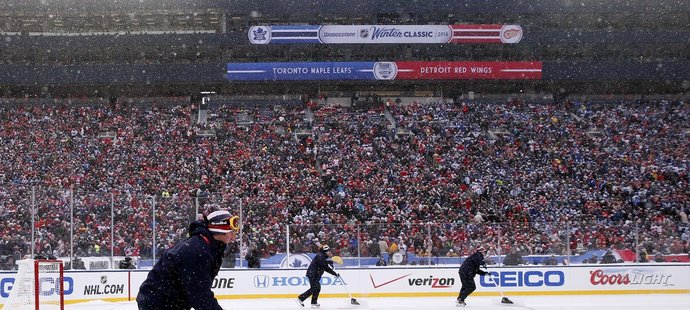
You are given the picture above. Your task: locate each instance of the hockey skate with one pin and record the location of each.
(460, 303)
(299, 302)
(315, 306)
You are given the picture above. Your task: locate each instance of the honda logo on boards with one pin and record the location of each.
(261, 281)
(264, 281)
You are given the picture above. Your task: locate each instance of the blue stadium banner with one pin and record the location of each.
(310, 71)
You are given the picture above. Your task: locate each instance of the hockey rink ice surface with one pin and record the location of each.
(579, 302)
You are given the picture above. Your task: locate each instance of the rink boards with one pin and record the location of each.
(117, 285)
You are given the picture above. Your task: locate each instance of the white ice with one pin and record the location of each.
(573, 302)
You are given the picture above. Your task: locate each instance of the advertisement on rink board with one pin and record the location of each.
(632, 277)
(445, 281)
(381, 282)
(85, 285)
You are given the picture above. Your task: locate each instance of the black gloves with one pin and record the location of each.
(482, 272)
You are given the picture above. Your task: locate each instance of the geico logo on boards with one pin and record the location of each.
(297, 281)
(599, 277)
(524, 278)
(107, 289)
(223, 283)
(47, 286)
(431, 281)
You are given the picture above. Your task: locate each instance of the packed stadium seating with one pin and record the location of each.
(615, 174)
(124, 165)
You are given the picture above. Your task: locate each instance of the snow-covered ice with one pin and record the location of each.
(577, 302)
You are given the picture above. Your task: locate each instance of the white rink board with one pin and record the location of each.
(116, 285)
(562, 302)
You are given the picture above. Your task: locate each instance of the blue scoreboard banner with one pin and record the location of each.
(385, 70)
(310, 71)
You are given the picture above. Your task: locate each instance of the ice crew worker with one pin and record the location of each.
(468, 269)
(318, 265)
(183, 276)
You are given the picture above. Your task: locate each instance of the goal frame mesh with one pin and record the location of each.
(27, 289)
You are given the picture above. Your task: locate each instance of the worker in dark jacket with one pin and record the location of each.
(318, 265)
(468, 269)
(127, 264)
(183, 276)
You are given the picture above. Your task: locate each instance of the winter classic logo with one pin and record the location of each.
(511, 33)
(628, 277)
(259, 35)
(385, 70)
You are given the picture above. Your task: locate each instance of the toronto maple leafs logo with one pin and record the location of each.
(297, 264)
(259, 34)
(296, 261)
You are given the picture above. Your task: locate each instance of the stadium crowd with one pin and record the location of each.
(533, 178)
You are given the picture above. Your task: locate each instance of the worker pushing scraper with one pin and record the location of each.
(470, 268)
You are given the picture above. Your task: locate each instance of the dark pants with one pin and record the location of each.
(313, 291)
(468, 285)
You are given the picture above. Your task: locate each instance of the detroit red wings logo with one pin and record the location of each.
(511, 34)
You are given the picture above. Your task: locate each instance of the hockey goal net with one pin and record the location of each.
(38, 285)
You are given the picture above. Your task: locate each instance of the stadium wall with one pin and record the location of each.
(89, 75)
(120, 285)
(270, 7)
